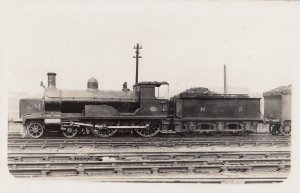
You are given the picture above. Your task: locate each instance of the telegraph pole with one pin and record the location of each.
(137, 56)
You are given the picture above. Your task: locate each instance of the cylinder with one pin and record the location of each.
(51, 80)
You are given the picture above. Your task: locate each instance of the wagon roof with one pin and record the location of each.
(153, 83)
(281, 90)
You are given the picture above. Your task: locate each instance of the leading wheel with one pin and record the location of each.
(285, 129)
(35, 129)
(101, 129)
(70, 132)
(151, 129)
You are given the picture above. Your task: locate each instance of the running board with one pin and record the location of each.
(100, 126)
(126, 127)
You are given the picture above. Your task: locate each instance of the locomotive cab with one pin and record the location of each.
(152, 105)
(148, 99)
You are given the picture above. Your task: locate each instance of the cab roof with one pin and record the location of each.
(152, 83)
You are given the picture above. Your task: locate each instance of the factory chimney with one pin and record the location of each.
(51, 80)
(225, 80)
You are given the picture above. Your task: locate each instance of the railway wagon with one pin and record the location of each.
(100, 112)
(277, 110)
(216, 113)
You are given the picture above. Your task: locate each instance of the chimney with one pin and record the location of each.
(51, 80)
(225, 81)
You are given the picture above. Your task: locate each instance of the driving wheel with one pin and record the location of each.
(151, 129)
(101, 129)
(70, 132)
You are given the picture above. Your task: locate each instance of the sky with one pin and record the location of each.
(185, 43)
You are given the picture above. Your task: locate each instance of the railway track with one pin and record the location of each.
(130, 164)
(65, 143)
(206, 179)
(196, 179)
(115, 163)
(71, 156)
(177, 136)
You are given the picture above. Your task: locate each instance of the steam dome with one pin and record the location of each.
(92, 84)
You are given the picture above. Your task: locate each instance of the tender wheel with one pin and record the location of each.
(274, 129)
(101, 130)
(285, 129)
(35, 129)
(216, 133)
(239, 133)
(70, 132)
(268, 127)
(152, 129)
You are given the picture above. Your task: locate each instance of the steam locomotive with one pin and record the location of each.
(103, 113)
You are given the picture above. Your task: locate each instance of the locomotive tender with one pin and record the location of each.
(103, 113)
(217, 113)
